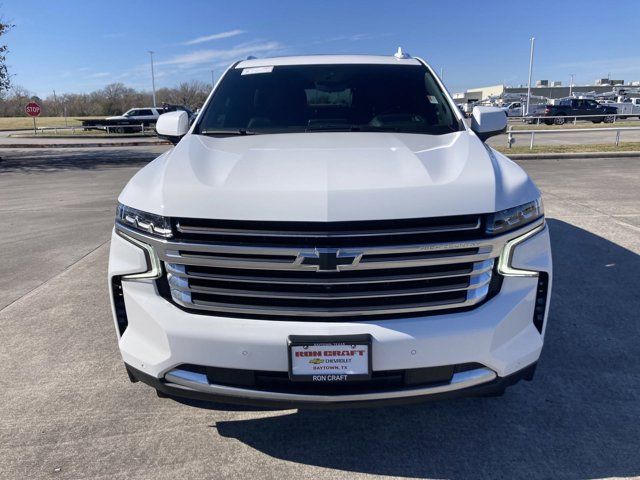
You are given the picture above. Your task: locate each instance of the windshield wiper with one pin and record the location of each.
(351, 128)
(239, 131)
(330, 127)
(374, 128)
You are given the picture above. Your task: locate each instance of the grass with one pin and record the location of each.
(569, 126)
(10, 123)
(596, 147)
(77, 133)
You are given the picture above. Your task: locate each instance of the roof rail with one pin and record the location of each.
(401, 54)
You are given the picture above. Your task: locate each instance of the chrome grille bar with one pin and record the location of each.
(190, 226)
(180, 283)
(178, 270)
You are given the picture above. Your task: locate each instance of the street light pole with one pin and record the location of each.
(213, 80)
(571, 83)
(533, 39)
(153, 79)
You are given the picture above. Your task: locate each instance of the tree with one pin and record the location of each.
(5, 79)
(113, 99)
(192, 94)
(14, 100)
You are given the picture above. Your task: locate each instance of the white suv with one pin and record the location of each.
(329, 231)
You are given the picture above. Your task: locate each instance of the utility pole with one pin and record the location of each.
(571, 83)
(153, 79)
(442, 74)
(55, 101)
(533, 39)
(213, 80)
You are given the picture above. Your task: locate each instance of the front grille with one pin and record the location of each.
(325, 271)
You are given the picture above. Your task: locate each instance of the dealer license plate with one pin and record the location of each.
(330, 359)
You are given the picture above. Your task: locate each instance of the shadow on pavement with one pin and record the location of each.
(58, 159)
(579, 418)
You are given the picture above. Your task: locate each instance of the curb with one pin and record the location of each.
(83, 145)
(560, 156)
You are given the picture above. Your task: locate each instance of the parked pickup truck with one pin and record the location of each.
(133, 119)
(514, 109)
(630, 107)
(330, 231)
(569, 108)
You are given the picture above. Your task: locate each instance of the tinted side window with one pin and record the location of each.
(145, 112)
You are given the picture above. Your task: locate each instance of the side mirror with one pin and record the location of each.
(488, 121)
(173, 125)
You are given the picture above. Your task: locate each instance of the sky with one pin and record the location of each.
(80, 46)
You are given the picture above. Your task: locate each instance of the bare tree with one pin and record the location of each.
(5, 79)
(14, 100)
(113, 99)
(191, 94)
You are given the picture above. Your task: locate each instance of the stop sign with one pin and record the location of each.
(32, 109)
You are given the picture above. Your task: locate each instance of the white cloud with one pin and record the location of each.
(100, 75)
(215, 36)
(602, 67)
(351, 38)
(219, 55)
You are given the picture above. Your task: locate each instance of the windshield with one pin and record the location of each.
(304, 98)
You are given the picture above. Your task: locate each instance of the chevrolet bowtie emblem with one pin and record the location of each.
(327, 259)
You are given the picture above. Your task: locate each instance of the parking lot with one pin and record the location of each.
(69, 411)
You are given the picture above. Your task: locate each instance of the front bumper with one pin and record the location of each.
(483, 382)
(499, 335)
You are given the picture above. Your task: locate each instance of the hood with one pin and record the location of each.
(333, 176)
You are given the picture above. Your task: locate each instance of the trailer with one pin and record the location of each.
(134, 120)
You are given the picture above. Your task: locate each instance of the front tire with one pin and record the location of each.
(559, 120)
(609, 119)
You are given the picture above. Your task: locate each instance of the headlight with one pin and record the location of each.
(143, 221)
(516, 217)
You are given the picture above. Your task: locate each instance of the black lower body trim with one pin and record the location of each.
(492, 388)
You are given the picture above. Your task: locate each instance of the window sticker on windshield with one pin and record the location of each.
(432, 99)
(252, 70)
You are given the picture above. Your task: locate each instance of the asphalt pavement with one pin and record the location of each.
(68, 411)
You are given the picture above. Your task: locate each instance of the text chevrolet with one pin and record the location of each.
(329, 231)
